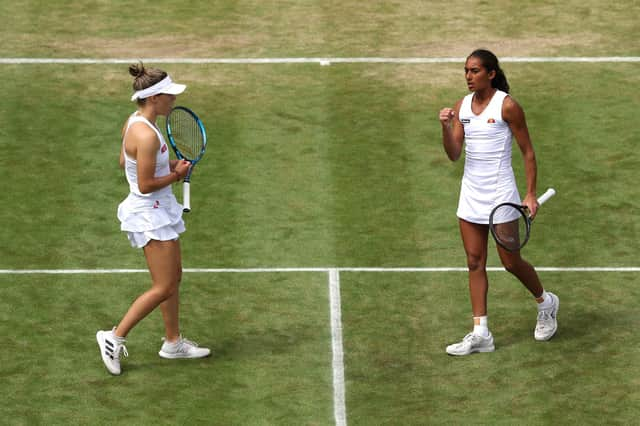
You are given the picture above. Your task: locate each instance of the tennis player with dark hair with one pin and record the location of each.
(152, 217)
(484, 124)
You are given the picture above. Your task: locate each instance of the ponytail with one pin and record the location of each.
(490, 63)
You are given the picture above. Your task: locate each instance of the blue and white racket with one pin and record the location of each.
(189, 140)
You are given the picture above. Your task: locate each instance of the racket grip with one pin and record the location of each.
(548, 194)
(186, 197)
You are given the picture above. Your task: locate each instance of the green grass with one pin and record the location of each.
(243, 28)
(315, 166)
(397, 372)
(269, 334)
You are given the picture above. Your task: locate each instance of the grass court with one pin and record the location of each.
(318, 170)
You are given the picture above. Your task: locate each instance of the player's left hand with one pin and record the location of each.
(532, 205)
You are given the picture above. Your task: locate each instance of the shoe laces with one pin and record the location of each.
(122, 349)
(470, 338)
(183, 345)
(545, 314)
(119, 346)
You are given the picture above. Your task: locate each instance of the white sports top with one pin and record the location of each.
(488, 176)
(162, 161)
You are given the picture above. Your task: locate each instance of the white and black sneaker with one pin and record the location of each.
(547, 323)
(182, 349)
(110, 349)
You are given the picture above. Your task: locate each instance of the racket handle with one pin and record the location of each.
(186, 197)
(548, 194)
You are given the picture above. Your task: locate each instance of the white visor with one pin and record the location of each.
(165, 86)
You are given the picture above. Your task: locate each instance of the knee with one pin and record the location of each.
(475, 262)
(165, 290)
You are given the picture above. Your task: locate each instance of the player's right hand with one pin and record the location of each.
(446, 116)
(182, 168)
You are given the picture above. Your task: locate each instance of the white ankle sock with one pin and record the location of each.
(547, 301)
(480, 326)
(117, 338)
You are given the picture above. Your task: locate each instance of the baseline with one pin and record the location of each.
(320, 269)
(314, 60)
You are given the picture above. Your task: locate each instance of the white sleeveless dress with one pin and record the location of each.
(156, 215)
(488, 176)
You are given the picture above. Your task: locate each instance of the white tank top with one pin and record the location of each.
(162, 161)
(488, 141)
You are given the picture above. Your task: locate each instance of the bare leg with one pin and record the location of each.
(163, 259)
(171, 308)
(522, 270)
(475, 238)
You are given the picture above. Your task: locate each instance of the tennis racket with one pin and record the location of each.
(510, 224)
(189, 140)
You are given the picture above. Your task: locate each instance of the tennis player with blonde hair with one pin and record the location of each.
(152, 218)
(484, 123)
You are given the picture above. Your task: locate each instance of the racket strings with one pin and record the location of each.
(510, 227)
(186, 134)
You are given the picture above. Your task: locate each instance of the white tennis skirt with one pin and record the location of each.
(146, 218)
(476, 202)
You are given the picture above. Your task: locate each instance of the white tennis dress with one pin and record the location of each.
(156, 215)
(488, 176)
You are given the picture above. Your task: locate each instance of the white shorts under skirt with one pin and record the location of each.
(166, 233)
(146, 219)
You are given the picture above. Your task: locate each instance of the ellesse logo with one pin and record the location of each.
(491, 121)
(164, 148)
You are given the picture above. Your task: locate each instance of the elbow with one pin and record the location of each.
(453, 157)
(145, 189)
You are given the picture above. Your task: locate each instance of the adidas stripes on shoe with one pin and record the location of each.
(111, 347)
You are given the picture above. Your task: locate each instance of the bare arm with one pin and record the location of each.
(142, 143)
(452, 131)
(124, 128)
(513, 114)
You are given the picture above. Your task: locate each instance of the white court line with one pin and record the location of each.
(314, 60)
(339, 404)
(319, 269)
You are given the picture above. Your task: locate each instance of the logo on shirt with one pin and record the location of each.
(465, 120)
(156, 204)
(164, 148)
(491, 121)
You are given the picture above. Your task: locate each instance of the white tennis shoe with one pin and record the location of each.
(110, 349)
(181, 349)
(472, 343)
(547, 323)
